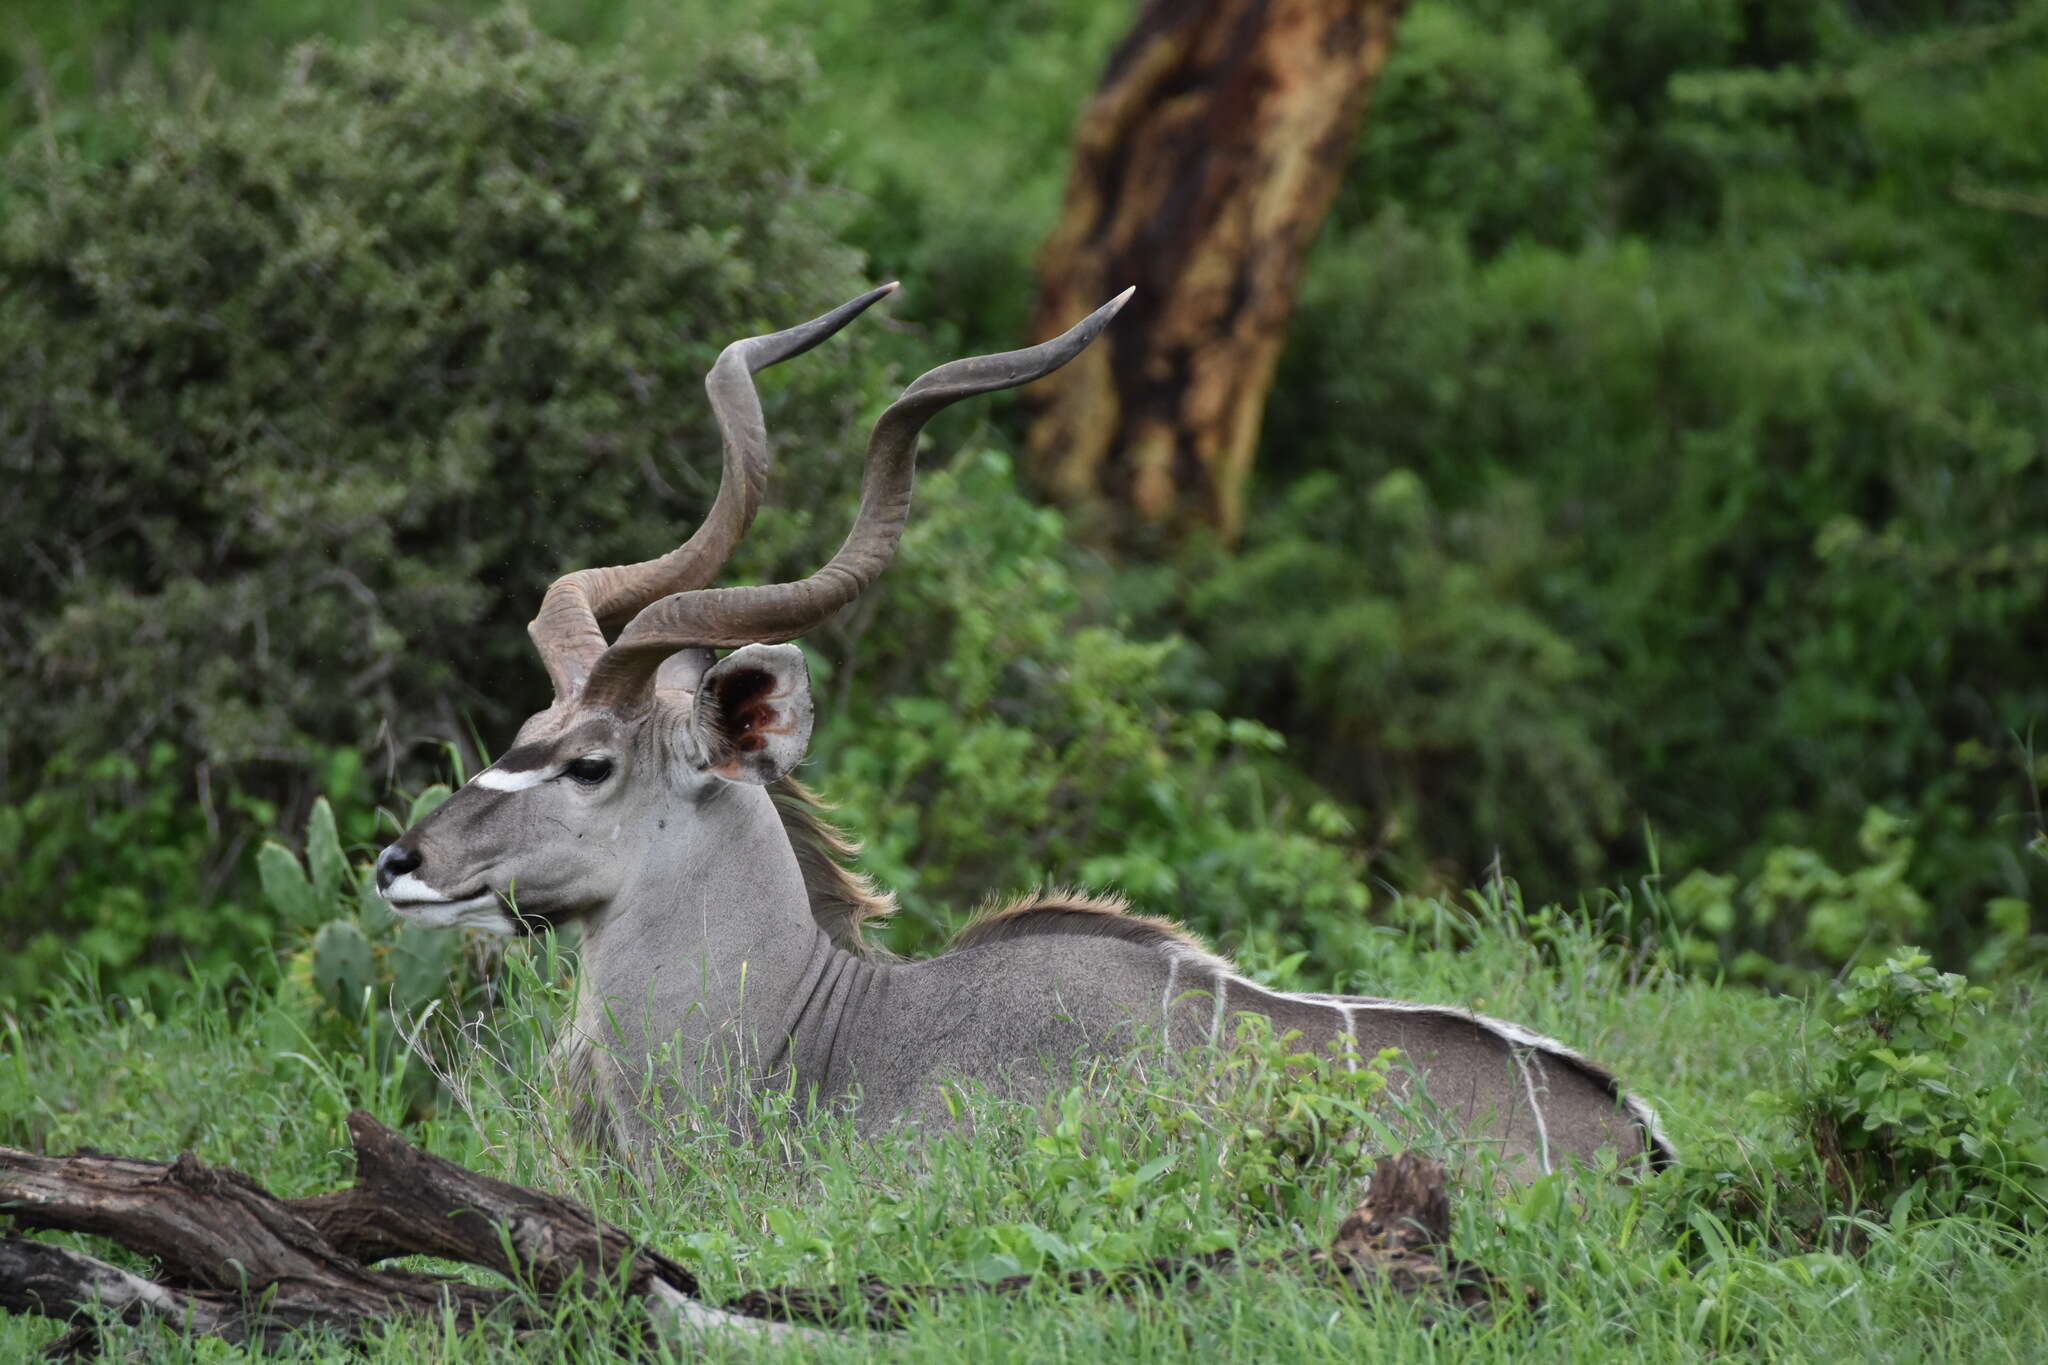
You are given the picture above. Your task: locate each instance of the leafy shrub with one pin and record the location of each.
(119, 863)
(1894, 1115)
(1629, 52)
(1288, 1122)
(995, 729)
(318, 388)
(1479, 130)
(1726, 530)
(1401, 637)
(1262, 1131)
(362, 980)
(1799, 909)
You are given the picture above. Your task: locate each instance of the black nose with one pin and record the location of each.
(394, 862)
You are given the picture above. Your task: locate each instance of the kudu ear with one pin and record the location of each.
(752, 715)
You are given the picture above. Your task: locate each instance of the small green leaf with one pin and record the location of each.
(285, 886)
(342, 966)
(422, 960)
(423, 805)
(323, 853)
(373, 912)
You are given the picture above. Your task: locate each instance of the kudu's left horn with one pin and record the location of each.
(580, 607)
(770, 613)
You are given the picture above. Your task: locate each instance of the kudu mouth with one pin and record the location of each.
(412, 899)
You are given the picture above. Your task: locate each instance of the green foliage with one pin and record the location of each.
(1895, 1115)
(349, 351)
(1798, 908)
(1482, 131)
(1395, 632)
(319, 379)
(1666, 1269)
(999, 730)
(1659, 450)
(118, 861)
(1713, 514)
(1283, 1119)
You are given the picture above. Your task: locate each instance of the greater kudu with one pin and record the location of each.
(652, 802)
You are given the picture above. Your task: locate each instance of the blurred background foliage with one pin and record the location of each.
(1657, 480)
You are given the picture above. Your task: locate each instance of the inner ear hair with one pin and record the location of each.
(740, 712)
(742, 717)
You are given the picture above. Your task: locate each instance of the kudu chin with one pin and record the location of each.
(652, 803)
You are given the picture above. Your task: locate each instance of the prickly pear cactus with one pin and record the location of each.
(344, 968)
(367, 979)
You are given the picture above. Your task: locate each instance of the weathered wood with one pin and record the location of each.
(239, 1263)
(1202, 168)
(217, 1230)
(1400, 1237)
(222, 1240)
(57, 1282)
(407, 1202)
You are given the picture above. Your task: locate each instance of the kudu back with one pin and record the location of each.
(652, 804)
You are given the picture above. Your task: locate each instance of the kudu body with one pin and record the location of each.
(721, 949)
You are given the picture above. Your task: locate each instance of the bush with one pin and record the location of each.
(1725, 530)
(995, 729)
(360, 980)
(1479, 130)
(358, 367)
(1894, 1115)
(112, 862)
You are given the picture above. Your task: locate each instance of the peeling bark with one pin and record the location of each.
(1203, 167)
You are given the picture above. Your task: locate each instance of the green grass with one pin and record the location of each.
(1652, 1271)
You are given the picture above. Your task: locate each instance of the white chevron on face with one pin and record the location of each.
(498, 780)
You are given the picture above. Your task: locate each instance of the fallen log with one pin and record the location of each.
(234, 1261)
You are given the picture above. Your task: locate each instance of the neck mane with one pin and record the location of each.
(845, 901)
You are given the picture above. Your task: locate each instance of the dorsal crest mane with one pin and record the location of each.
(1059, 911)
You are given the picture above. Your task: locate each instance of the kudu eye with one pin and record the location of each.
(589, 771)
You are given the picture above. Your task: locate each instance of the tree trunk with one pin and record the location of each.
(1202, 169)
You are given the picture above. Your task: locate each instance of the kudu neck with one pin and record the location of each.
(710, 945)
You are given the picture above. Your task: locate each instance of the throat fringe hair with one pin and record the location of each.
(844, 901)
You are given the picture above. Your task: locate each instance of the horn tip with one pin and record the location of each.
(1116, 304)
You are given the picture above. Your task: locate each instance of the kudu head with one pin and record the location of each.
(652, 735)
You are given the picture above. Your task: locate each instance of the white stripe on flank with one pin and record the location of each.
(498, 780)
(1521, 1057)
(1166, 1005)
(1344, 1026)
(1221, 986)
